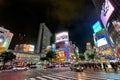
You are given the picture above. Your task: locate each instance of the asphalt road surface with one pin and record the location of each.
(58, 74)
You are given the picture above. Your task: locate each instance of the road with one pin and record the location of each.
(58, 74)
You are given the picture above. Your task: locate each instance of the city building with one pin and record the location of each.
(23, 58)
(110, 18)
(25, 48)
(44, 38)
(74, 52)
(62, 47)
(101, 40)
(89, 50)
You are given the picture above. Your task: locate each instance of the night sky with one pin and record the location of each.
(22, 17)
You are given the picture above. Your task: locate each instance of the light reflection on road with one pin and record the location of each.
(18, 75)
(80, 75)
(65, 73)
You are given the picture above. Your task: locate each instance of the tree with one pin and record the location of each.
(43, 58)
(50, 55)
(7, 56)
(92, 56)
(82, 57)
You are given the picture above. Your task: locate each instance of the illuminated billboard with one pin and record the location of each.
(63, 36)
(28, 48)
(8, 40)
(101, 42)
(5, 38)
(97, 27)
(107, 10)
(3, 35)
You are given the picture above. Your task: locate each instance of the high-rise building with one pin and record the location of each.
(88, 45)
(110, 19)
(89, 49)
(44, 38)
(62, 47)
(111, 8)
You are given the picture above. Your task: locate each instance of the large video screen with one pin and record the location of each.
(107, 10)
(63, 36)
(102, 42)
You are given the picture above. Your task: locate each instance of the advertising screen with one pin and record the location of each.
(29, 48)
(97, 27)
(107, 10)
(62, 37)
(3, 35)
(8, 40)
(101, 42)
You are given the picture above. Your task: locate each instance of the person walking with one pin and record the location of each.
(105, 66)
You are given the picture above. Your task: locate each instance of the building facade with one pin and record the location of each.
(110, 18)
(44, 38)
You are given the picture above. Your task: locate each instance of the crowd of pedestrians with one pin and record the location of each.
(104, 66)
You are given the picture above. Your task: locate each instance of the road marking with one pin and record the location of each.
(41, 78)
(50, 78)
(32, 79)
(65, 76)
(57, 76)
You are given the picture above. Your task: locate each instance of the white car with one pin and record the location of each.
(20, 68)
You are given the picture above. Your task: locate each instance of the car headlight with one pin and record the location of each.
(82, 68)
(78, 68)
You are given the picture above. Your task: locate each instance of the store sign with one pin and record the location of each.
(62, 37)
(107, 10)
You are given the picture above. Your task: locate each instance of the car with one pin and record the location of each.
(33, 66)
(76, 67)
(50, 66)
(66, 64)
(16, 68)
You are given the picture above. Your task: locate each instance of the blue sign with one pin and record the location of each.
(67, 51)
(97, 27)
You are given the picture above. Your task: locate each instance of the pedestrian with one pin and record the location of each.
(105, 66)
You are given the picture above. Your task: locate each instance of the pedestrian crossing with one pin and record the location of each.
(69, 75)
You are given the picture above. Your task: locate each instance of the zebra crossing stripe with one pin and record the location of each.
(56, 76)
(68, 77)
(91, 76)
(50, 77)
(41, 78)
(32, 79)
